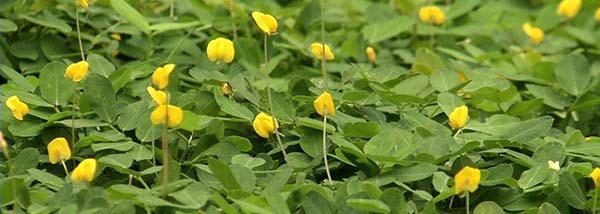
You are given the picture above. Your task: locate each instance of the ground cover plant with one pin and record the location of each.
(307, 106)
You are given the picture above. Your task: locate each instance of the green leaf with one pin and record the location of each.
(171, 26)
(233, 108)
(488, 207)
(26, 159)
(131, 15)
(50, 21)
(570, 190)
(193, 196)
(443, 80)
(361, 129)
(54, 86)
(510, 128)
(25, 128)
(224, 174)
(390, 145)
(119, 160)
(548, 208)
(101, 96)
(573, 74)
(370, 205)
(7, 25)
(380, 31)
(247, 161)
(100, 65)
(448, 102)
(11, 74)
(533, 176)
(46, 178)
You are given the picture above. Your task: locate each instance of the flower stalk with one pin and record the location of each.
(270, 97)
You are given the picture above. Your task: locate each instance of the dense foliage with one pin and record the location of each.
(519, 80)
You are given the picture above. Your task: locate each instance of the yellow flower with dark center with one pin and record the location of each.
(160, 77)
(317, 50)
(220, 49)
(58, 150)
(371, 54)
(226, 89)
(115, 36)
(432, 15)
(535, 34)
(83, 3)
(19, 109)
(264, 125)
(85, 171)
(159, 97)
(597, 15)
(568, 8)
(467, 180)
(77, 71)
(324, 104)
(162, 113)
(596, 177)
(266, 23)
(459, 117)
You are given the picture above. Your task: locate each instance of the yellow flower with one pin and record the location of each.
(462, 77)
(77, 71)
(266, 22)
(317, 50)
(19, 109)
(263, 125)
(536, 35)
(324, 104)
(226, 89)
(597, 15)
(58, 150)
(3, 144)
(220, 49)
(160, 77)
(160, 97)
(115, 36)
(85, 171)
(163, 112)
(596, 177)
(568, 8)
(83, 3)
(554, 165)
(459, 117)
(371, 54)
(467, 180)
(432, 15)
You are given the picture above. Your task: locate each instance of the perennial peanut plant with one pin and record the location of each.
(301, 106)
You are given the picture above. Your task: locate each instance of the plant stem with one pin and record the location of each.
(79, 33)
(325, 150)
(468, 207)
(165, 147)
(325, 77)
(172, 10)
(65, 167)
(270, 97)
(595, 201)
(74, 106)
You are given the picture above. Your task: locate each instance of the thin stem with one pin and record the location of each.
(172, 10)
(325, 150)
(165, 147)
(74, 106)
(595, 201)
(270, 97)
(79, 33)
(457, 132)
(62, 162)
(468, 205)
(325, 77)
(130, 180)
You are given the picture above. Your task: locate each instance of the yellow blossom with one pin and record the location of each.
(19, 109)
(226, 89)
(317, 50)
(554, 165)
(324, 104)
(220, 49)
(432, 15)
(371, 54)
(83, 3)
(459, 117)
(263, 125)
(467, 180)
(58, 150)
(160, 77)
(535, 34)
(85, 171)
(159, 97)
(568, 8)
(597, 15)
(596, 177)
(77, 71)
(160, 115)
(266, 23)
(115, 36)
